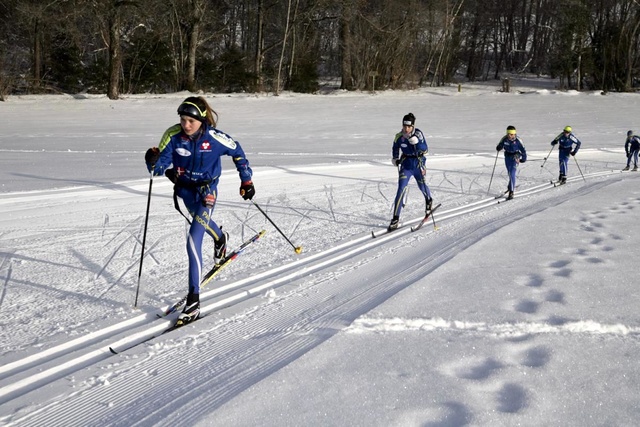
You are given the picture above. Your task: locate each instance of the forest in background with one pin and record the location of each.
(116, 47)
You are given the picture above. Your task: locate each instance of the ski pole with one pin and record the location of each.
(574, 158)
(492, 172)
(545, 159)
(298, 249)
(144, 237)
(433, 218)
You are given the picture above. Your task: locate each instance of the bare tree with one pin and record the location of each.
(39, 17)
(284, 46)
(114, 46)
(346, 44)
(113, 11)
(197, 10)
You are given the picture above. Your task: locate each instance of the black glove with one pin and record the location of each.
(628, 155)
(397, 162)
(152, 155)
(573, 153)
(247, 190)
(171, 174)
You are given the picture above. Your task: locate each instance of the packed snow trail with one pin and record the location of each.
(322, 294)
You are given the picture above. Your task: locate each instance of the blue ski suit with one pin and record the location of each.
(631, 147)
(408, 154)
(196, 172)
(565, 149)
(514, 153)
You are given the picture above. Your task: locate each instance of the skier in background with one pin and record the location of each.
(514, 153)
(194, 147)
(409, 148)
(631, 147)
(566, 140)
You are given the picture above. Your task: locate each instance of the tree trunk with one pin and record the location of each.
(192, 49)
(284, 46)
(115, 59)
(346, 44)
(259, 80)
(37, 53)
(631, 43)
(198, 11)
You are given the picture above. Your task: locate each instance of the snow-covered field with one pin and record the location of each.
(517, 313)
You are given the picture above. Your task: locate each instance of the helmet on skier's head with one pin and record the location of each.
(567, 129)
(630, 133)
(409, 120)
(511, 130)
(194, 108)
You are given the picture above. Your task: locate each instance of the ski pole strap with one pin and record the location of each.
(177, 205)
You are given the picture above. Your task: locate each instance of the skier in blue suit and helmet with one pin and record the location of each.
(194, 147)
(566, 140)
(408, 151)
(631, 147)
(514, 154)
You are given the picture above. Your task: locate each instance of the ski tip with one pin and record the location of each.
(169, 310)
(112, 350)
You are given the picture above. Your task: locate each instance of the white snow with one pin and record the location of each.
(518, 313)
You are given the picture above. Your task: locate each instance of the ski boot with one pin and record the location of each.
(429, 205)
(510, 195)
(626, 168)
(562, 179)
(191, 310)
(395, 221)
(635, 169)
(220, 249)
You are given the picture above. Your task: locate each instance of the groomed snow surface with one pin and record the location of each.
(501, 313)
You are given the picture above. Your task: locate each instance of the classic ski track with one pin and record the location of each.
(41, 368)
(233, 361)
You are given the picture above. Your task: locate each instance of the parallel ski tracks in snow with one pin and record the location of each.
(233, 348)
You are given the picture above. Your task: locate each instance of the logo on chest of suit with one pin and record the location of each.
(183, 152)
(205, 146)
